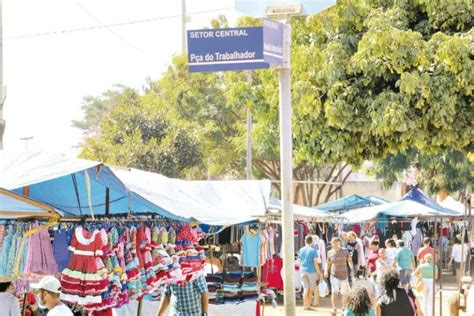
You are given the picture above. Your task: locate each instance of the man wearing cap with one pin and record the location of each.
(48, 291)
(337, 262)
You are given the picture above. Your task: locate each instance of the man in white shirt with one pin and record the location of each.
(48, 291)
(458, 254)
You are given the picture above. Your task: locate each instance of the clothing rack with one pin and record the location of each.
(116, 220)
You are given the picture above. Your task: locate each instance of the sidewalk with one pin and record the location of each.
(449, 288)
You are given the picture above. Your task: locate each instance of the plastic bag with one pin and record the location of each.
(323, 289)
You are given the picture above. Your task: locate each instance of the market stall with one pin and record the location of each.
(144, 238)
(412, 218)
(348, 203)
(19, 222)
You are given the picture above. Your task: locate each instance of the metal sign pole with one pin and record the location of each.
(286, 146)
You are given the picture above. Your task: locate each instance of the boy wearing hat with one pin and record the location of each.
(48, 291)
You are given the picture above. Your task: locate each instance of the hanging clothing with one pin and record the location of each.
(417, 241)
(278, 239)
(40, 257)
(251, 244)
(299, 236)
(61, 241)
(85, 278)
(271, 273)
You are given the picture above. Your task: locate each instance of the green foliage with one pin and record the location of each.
(97, 108)
(136, 134)
(435, 172)
(384, 80)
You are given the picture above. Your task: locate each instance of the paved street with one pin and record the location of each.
(325, 308)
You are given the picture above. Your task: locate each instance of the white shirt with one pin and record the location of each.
(60, 310)
(362, 252)
(391, 253)
(321, 246)
(9, 305)
(456, 252)
(381, 268)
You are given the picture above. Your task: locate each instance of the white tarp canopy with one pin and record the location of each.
(452, 204)
(74, 186)
(404, 208)
(209, 202)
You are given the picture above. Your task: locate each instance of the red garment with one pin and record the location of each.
(371, 259)
(85, 278)
(445, 231)
(356, 229)
(105, 312)
(422, 252)
(257, 312)
(30, 300)
(273, 268)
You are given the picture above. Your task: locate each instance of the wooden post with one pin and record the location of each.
(139, 311)
(23, 308)
(107, 201)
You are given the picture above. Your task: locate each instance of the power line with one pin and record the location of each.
(108, 29)
(98, 27)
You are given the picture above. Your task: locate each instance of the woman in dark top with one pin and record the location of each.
(396, 301)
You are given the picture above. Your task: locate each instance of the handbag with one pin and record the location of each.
(420, 285)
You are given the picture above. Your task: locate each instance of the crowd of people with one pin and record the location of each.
(377, 281)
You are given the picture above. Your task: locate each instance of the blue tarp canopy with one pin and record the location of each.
(375, 200)
(346, 203)
(421, 197)
(411, 205)
(72, 185)
(210, 202)
(14, 206)
(300, 210)
(77, 187)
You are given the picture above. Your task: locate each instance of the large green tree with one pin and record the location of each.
(371, 79)
(136, 133)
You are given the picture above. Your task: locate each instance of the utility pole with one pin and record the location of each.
(26, 139)
(249, 134)
(3, 89)
(286, 160)
(183, 26)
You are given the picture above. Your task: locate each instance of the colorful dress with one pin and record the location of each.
(85, 278)
(40, 259)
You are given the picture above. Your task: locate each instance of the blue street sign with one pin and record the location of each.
(258, 8)
(226, 49)
(273, 42)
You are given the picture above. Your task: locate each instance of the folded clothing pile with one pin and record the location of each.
(249, 286)
(215, 285)
(233, 287)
